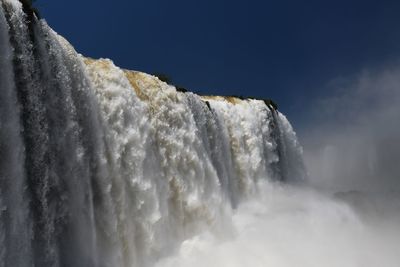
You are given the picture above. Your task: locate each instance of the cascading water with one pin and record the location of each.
(105, 167)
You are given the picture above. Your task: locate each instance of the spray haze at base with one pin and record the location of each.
(291, 226)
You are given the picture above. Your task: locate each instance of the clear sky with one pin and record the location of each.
(289, 51)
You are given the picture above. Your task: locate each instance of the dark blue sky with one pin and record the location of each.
(285, 50)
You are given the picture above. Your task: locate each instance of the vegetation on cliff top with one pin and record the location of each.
(165, 78)
(30, 10)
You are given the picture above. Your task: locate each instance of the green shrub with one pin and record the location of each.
(163, 77)
(271, 103)
(30, 10)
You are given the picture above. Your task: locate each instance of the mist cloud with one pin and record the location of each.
(355, 140)
(296, 227)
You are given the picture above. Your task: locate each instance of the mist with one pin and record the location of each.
(292, 226)
(354, 140)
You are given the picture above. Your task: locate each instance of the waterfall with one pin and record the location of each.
(101, 166)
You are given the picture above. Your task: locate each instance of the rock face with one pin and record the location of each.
(101, 166)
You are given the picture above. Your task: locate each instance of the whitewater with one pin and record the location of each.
(101, 166)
